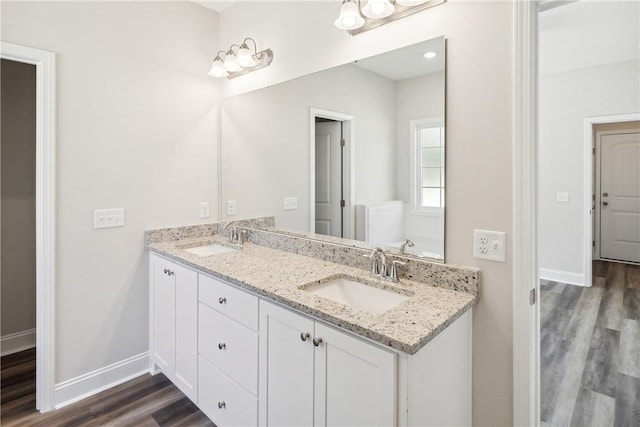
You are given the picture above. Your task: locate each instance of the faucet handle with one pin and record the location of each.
(394, 270)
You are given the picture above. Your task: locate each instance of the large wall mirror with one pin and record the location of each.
(354, 152)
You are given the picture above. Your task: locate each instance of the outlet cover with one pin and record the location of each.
(290, 203)
(108, 218)
(562, 196)
(490, 245)
(231, 207)
(204, 209)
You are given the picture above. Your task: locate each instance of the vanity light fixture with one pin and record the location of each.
(377, 12)
(241, 61)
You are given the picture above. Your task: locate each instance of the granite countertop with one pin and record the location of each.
(279, 276)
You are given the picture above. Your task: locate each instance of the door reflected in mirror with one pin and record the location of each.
(354, 152)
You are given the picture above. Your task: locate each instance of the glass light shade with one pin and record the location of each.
(378, 9)
(350, 17)
(231, 62)
(410, 2)
(217, 68)
(245, 59)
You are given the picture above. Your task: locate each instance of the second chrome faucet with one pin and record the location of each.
(381, 268)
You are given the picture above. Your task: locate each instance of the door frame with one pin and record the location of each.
(526, 323)
(349, 187)
(45, 215)
(590, 144)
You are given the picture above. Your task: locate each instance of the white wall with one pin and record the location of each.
(18, 203)
(263, 163)
(479, 120)
(566, 99)
(136, 127)
(417, 98)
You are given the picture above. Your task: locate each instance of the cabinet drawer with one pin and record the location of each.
(222, 400)
(229, 346)
(232, 302)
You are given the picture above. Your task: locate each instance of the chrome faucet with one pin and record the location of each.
(404, 244)
(381, 268)
(238, 235)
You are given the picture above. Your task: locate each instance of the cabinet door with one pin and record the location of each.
(286, 367)
(186, 330)
(163, 315)
(355, 381)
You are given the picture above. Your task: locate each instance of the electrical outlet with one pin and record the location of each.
(204, 209)
(562, 196)
(108, 218)
(231, 207)
(490, 245)
(290, 203)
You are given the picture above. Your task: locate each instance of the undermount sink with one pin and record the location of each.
(357, 295)
(208, 249)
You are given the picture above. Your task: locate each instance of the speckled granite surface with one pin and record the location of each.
(281, 275)
(201, 230)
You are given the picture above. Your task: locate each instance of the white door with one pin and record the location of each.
(186, 330)
(620, 197)
(355, 381)
(163, 294)
(329, 180)
(286, 368)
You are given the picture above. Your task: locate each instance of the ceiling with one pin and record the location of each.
(588, 33)
(218, 6)
(408, 62)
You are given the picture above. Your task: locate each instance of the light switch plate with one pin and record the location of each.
(490, 245)
(108, 218)
(290, 203)
(204, 209)
(231, 207)
(562, 196)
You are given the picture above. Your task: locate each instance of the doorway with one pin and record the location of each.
(44, 63)
(617, 192)
(18, 225)
(331, 165)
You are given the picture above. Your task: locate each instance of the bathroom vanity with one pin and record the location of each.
(244, 336)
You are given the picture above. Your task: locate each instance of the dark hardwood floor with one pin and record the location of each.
(144, 401)
(590, 349)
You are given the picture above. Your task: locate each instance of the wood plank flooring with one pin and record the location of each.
(144, 401)
(590, 349)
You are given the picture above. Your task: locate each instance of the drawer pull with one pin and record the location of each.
(222, 300)
(304, 336)
(222, 346)
(222, 405)
(317, 341)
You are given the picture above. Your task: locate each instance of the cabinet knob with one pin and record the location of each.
(222, 346)
(222, 405)
(166, 271)
(304, 336)
(317, 341)
(171, 273)
(222, 300)
(605, 203)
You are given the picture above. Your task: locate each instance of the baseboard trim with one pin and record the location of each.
(563, 277)
(18, 341)
(76, 389)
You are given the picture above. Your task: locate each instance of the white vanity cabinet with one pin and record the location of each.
(228, 353)
(312, 374)
(174, 323)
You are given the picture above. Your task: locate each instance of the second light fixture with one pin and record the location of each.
(241, 61)
(377, 12)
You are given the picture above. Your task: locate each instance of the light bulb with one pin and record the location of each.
(350, 18)
(378, 9)
(217, 68)
(245, 59)
(231, 62)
